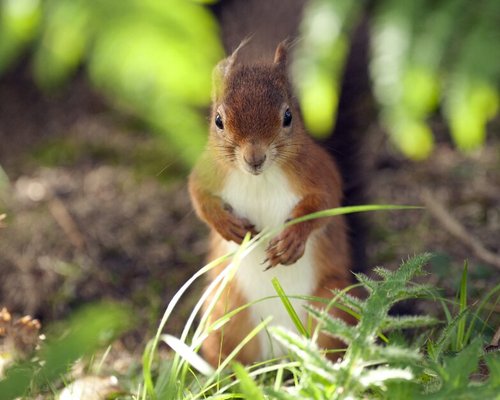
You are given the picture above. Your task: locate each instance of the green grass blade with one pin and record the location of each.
(459, 344)
(447, 333)
(289, 308)
(231, 357)
(446, 311)
(481, 305)
(255, 370)
(188, 354)
(351, 209)
(147, 363)
(180, 368)
(247, 385)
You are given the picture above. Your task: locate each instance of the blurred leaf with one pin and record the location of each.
(156, 60)
(87, 330)
(152, 58)
(63, 42)
(320, 59)
(247, 385)
(456, 371)
(469, 106)
(420, 91)
(19, 21)
(412, 135)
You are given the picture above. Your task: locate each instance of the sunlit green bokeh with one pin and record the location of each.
(320, 58)
(19, 21)
(151, 58)
(425, 58)
(469, 110)
(87, 330)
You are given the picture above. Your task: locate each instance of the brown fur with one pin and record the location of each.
(221, 342)
(249, 100)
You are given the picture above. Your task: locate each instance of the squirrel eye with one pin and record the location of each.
(287, 118)
(218, 121)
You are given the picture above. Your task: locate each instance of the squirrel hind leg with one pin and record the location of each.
(221, 342)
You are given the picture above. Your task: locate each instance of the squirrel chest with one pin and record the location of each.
(267, 200)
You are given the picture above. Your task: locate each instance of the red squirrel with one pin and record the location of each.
(260, 169)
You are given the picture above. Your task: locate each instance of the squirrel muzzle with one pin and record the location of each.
(253, 158)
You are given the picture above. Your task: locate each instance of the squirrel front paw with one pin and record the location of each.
(288, 247)
(234, 228)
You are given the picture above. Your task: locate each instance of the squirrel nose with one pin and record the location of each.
(255, 161)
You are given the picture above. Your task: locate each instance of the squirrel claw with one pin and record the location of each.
(268, 267)
(265, 261)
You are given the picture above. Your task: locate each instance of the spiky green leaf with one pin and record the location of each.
(352, 302)
(382, 272)
(378, 376)
(307, 351)
(367, 282)
(411, 267)
(412, 292)
(394, 354)
(408, 321)
(333, 326)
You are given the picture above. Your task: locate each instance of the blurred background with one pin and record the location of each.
(103, 111)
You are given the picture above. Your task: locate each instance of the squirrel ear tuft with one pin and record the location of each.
(224, 67)
(281, 54)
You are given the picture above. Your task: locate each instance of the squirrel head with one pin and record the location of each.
(255, 120)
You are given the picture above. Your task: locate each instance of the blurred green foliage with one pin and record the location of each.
(154, 58)
(320, 59)
(425, 55)
(86, 331)
(151, 57)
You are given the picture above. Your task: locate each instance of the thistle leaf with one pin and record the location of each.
(307, 351)
(408, 321)
(333, 326)
(378, 376)
(382, 272)
(412, 267)
(394, 354)
(353, 302)
(412, 292)
(367, 282)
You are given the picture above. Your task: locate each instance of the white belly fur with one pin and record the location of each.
(267, 200)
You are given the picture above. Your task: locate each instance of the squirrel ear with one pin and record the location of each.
(224, 67)
(281, 54)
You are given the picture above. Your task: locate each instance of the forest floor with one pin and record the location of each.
(97, 208)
